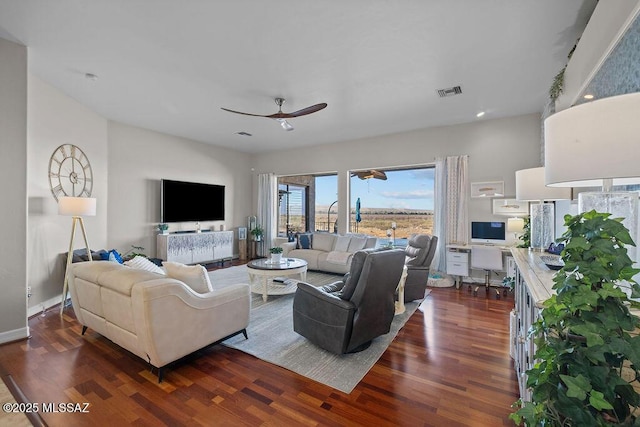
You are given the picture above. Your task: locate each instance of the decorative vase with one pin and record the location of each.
(276, 258)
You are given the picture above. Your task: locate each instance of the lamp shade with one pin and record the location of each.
(530, 186)
(591, 142)
(515, 225)
(77, 206)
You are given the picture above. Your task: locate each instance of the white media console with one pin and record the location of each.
(192, 248)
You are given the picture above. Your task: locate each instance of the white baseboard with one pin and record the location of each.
(14, 335)
(37, 309)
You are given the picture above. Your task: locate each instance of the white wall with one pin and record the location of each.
(13, 176)
(55, 119)
(140, 158)
(496, 149)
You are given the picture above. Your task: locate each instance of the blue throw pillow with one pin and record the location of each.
(304, 241)
(115, 256)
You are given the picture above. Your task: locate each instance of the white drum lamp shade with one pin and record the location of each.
(591, 142)
(515, 225)
(530, 186)
(77, 206)
(598, 144)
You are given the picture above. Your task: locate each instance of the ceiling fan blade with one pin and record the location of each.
(245, 114)
(303, 112)
(309, 110)
(368, 174)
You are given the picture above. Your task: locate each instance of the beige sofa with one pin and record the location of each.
(153, 316)
(329, 252)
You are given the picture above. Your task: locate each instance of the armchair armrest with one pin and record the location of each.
(332, 287)
(172, 321)
(418, 267)
(317, 296)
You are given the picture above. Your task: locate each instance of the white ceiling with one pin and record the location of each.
(170, 65)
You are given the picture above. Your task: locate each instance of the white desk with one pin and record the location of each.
(458, 261)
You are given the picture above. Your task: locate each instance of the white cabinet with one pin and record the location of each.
(457, 262)
(533, 286)
(193, 248)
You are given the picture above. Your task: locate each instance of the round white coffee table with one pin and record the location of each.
(262, 272)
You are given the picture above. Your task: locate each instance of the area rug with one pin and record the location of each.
(272, 339)
(7, 416)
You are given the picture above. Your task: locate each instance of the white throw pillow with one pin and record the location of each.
(143, 263)
(194, 276)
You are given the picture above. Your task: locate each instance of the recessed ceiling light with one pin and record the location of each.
(480, 114)
(243, 133)
(588, 96)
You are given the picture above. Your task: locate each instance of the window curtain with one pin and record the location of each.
(451, 205)
(267, 210)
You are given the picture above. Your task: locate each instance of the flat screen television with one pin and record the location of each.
(191, 201)
(490, 232)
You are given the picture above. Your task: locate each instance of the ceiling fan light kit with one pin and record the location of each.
(285, 124)
(282, 117)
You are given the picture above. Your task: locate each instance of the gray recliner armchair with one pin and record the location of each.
(346, 316)
(419, 254)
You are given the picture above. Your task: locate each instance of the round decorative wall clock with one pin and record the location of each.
(70, 172)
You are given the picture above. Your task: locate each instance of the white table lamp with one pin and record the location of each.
(515, 226)
(596, 144)
(76, 207)
(530, 187)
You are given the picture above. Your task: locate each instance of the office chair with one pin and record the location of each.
(487, 258)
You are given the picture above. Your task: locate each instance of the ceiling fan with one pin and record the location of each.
(368, 174)
(282, 117)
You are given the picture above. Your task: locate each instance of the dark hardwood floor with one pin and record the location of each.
(449, 366)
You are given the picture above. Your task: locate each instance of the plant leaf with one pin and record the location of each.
(597, 400)
(577, 387)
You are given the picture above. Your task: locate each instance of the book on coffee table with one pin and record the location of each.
(283, 281)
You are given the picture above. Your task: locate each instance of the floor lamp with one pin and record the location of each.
(76, 207)
(596, 144)
(530, 187)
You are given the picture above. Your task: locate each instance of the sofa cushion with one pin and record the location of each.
(143, 263)
(356, 243)
(342, 244)
(194, 276)
(323, 242)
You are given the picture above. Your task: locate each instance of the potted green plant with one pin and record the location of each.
(586, 357)
(276, 254)
(163, 228)
(257, 233)
(508, 283)
(526, 233)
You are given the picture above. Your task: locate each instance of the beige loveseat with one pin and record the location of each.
(328, 252)
(153, 316)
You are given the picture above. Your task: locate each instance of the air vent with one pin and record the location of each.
(243, 133)
(450, 91)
